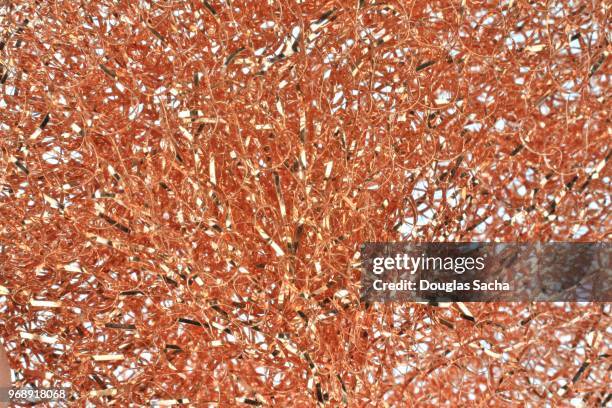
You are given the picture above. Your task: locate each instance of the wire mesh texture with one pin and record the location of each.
(185, 186)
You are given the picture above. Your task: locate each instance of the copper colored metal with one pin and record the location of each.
(185, 186)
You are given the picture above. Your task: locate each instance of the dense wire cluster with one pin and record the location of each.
(185, 186)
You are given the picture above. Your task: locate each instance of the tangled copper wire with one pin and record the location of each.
(185, 187)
